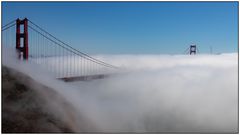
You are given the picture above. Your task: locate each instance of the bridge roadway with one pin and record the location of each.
(84, 78)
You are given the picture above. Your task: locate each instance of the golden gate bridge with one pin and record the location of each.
(35, 44)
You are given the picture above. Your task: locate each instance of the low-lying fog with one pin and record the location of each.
(153, 93)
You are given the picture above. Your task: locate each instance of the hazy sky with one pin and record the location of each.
(134, 27)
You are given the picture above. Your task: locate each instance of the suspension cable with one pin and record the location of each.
(66, 48)
(197, 50)
(70, 46)
(185, 51)
(9, 23)
(8, 27)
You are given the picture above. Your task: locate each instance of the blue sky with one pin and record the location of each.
(134, 27)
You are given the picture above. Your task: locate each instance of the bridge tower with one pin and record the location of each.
(23, 49)
(193, 49)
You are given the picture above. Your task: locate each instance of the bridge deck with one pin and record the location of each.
(84, 78)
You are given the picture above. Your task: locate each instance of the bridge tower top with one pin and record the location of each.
(193, 49)
(23, 49)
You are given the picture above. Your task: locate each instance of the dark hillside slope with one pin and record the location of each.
(28, 106)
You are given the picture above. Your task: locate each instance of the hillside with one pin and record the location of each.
(26, 109)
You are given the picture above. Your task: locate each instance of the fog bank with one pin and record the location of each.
(152, 93)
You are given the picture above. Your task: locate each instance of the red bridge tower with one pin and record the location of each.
(23, 50)
(193, 49)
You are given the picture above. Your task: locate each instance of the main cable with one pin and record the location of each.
(70, 46)
(8, 27)
(67, 48)
(9, 23)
